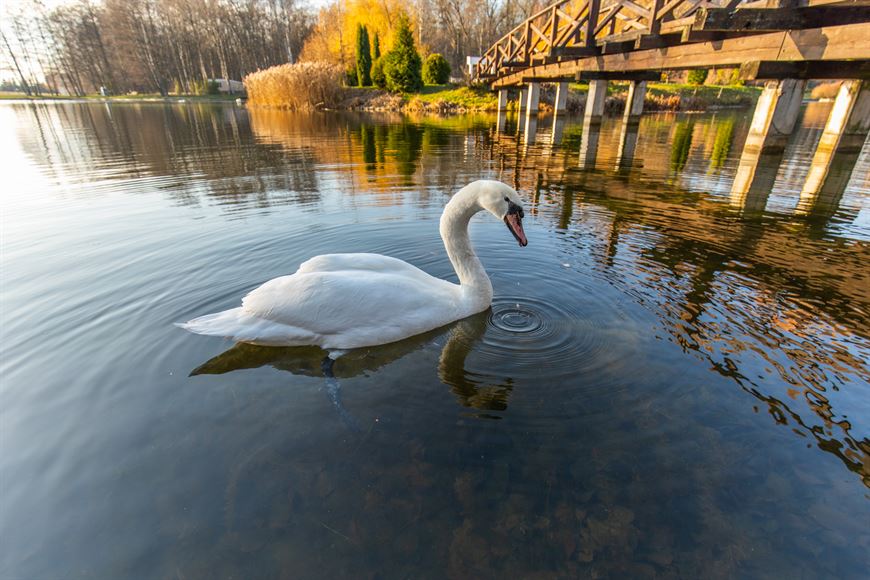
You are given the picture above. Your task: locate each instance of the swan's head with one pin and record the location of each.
(503, 202)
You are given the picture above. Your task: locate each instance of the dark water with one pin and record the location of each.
(667, 385)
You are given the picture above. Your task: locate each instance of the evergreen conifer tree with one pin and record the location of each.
(376, 47)
(363, 57)
(402, 65)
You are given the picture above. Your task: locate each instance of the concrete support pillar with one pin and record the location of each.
(847, 128)
(775, 115)
(558, 129)
(634, 102)
(502, 99)
(595, 101)
(592, 123)
(627, 145)
(561, 102)
(522, 99)
(531, 126)
(589, 142)
(773, 121)
(501, 121)
(630, 124)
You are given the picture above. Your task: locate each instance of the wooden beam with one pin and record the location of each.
(534, 79)
(766, 19)
(573, 51)
(643, 75)
(848, 42)
(811, 69)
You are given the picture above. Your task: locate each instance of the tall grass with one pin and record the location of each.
(304, 85)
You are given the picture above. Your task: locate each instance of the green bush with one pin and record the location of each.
(350, 77)
(378, 77)
(697, 76)
(402, 65)
(363, 57)
(436, 70)
(213, 88)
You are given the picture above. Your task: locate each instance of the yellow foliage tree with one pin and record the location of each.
(334, 36)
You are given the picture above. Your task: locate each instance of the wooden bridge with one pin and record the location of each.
(782, 42)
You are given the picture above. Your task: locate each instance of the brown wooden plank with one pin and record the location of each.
(574, 51)
(811, 69)
(643, 75)
(779, 18)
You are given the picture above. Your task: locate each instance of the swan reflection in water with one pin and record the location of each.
(471, 390)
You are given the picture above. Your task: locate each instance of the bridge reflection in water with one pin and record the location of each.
(619, 166)
(845, 128)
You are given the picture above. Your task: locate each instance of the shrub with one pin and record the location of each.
(213, 88)
(363, 57)
(304, 85)
(436, 70)
(378, 77)
(350, 77)
(697, 76)
(402, 64)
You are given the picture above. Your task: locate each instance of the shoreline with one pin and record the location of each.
(450, 100)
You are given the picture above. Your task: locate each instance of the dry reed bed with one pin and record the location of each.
(300, 86)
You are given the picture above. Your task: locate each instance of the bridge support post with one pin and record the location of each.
(561, 101)
(775, 116)
(595, 101)
(558, 130)
(502, 99)
(634, 102)
(627, 145)
(630, 124)
(534, 94)
(592, 123)
(522, 100)
(844, 134)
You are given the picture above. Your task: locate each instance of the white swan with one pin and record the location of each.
(346, 301)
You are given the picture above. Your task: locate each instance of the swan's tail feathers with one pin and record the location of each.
(240, 326)
(226, 323)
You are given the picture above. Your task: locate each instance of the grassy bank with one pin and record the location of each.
(451, 99)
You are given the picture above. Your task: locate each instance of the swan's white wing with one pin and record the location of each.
(347, 308)
(364, 262)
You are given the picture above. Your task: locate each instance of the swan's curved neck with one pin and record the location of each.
(454, 231)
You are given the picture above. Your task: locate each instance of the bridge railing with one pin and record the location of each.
(577, 28)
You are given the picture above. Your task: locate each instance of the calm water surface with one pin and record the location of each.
(667, 384)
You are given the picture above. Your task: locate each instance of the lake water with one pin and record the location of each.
(668, 384)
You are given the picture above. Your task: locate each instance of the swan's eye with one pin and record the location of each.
(507, 200)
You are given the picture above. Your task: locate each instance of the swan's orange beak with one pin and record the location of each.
(514, 221)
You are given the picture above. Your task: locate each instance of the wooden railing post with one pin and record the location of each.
(592, 22)
(655, 22)
(528, 52)
(554, 30)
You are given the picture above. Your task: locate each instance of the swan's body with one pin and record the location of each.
(345, 301)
